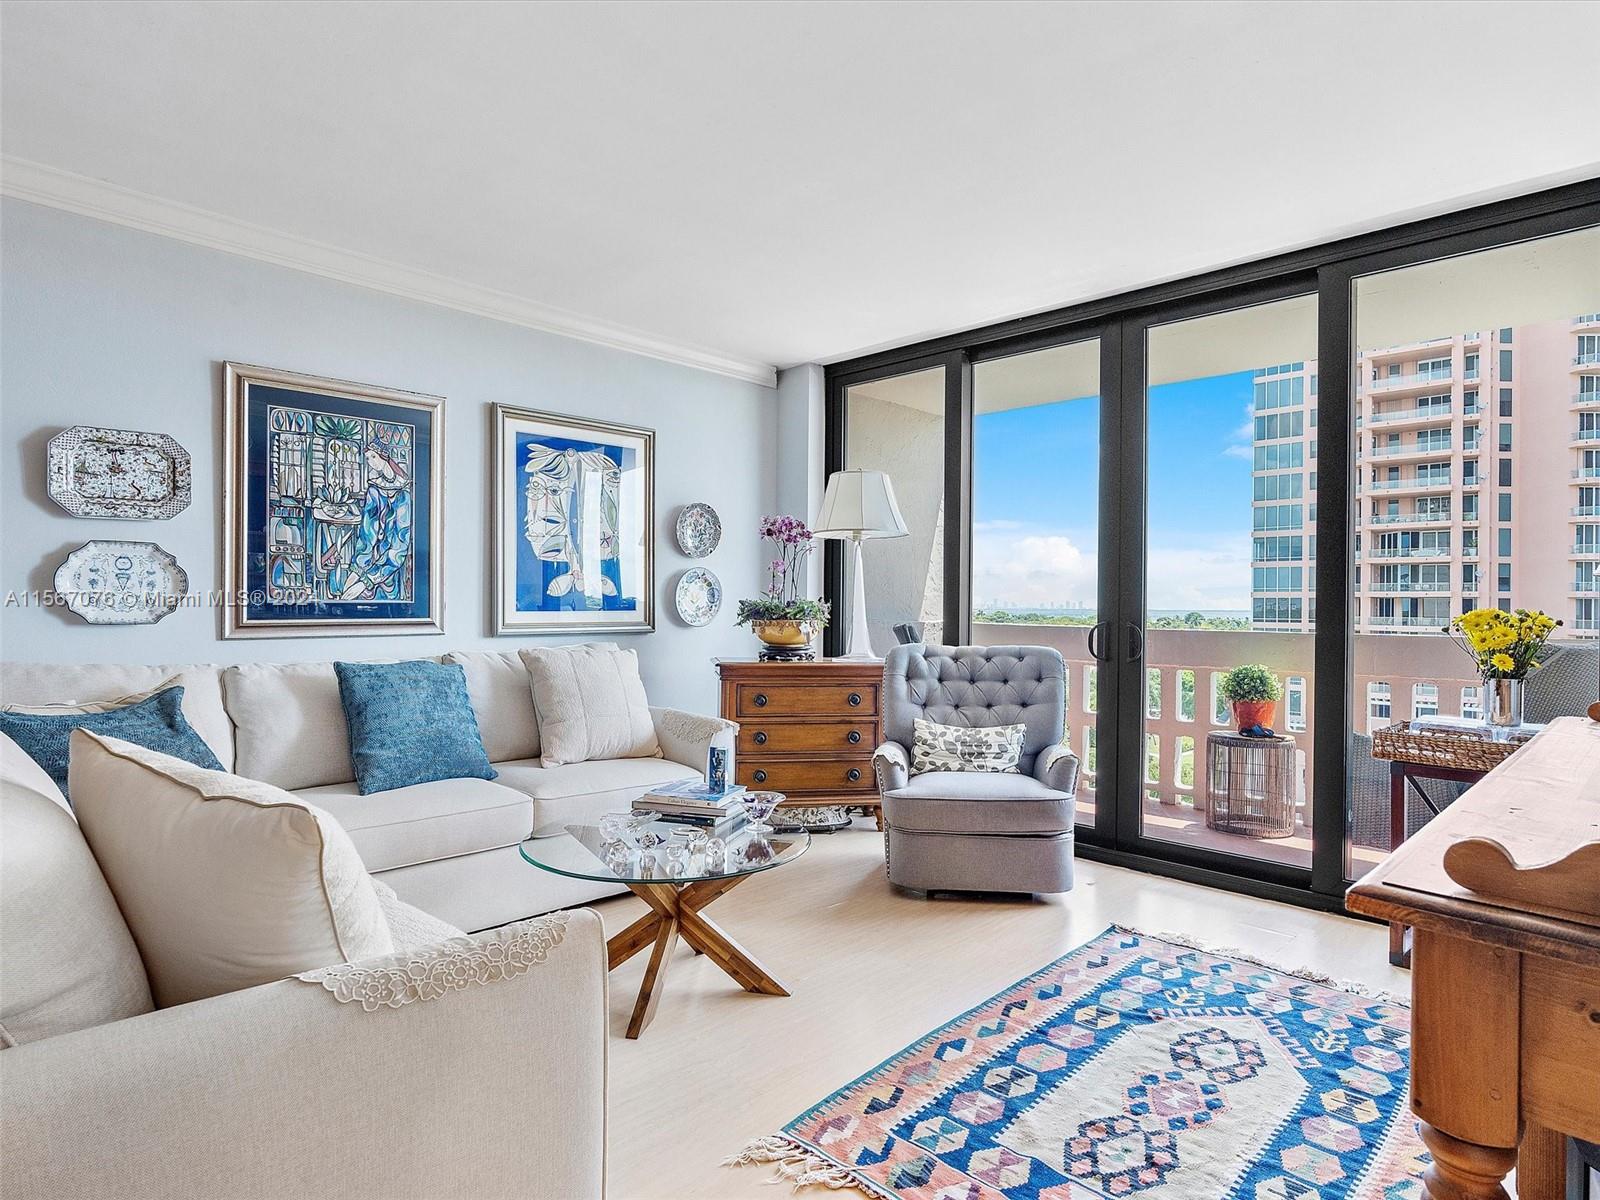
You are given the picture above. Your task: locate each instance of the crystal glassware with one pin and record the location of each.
(758, 807)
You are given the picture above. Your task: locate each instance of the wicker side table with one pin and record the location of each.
(1252, 785)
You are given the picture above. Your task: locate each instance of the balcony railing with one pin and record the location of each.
(1586, 400)
(1586, 585)
(1414, 484)
(1407, 622)
(1586, 549)
(1410, 552)
(1410, 585)
(1431, 412)
(1470, 376)
(1586, 510)
(1587, 359)
(1587, 435)
(1424, 518)
(1416, 379)
(1420, 448)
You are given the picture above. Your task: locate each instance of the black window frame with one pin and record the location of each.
(1331, 269)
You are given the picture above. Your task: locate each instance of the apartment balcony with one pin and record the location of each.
(1401, 621)
(1432, 348)
(1471, 376)
(1390, 487)
(1409, 552)
(1586, 473)
(1409, 585)
(1469, 587)
(1585, 550)
(1422, 518)
(1393, 453)
(1586, 437)
(1586, 510)
(1586, 400)
(1589, 358)
(1433, 414)
(1420, 381)
(1587, 321)
(1475, 338)
(1586, 587)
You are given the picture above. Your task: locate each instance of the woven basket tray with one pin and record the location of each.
(1440, 748)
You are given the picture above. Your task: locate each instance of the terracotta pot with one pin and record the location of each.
(1254, 712)
(783, 633)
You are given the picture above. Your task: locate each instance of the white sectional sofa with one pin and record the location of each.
(449, 848)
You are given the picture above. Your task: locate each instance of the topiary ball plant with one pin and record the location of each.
(1254, 692)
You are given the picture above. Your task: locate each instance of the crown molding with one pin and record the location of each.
(40, 184)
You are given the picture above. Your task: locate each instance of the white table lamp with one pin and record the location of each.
(859, 505)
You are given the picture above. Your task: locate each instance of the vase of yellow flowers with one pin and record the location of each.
(1505, 646)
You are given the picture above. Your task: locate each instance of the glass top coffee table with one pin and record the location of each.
(677, 880)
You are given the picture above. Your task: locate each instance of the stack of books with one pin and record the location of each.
(691, 802)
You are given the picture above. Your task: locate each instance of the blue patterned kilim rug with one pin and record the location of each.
(1131, 1067)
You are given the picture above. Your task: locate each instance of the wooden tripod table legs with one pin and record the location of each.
(675, 912)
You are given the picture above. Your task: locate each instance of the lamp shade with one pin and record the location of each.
(859, 504)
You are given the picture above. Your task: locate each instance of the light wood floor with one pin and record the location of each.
(871, 970)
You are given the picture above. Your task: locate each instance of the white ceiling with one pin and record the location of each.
(746, 185)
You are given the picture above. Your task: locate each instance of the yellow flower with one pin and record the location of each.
(1501, 637)
(1502, 662)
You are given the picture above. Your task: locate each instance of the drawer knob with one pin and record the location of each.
(854, 699)
(853, 775)
(761, 776)
(761, 700)
(854, 737)
(761, 737)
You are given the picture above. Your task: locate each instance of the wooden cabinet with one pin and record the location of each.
(806, 729)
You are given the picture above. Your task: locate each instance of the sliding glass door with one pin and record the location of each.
(1037, 425)
(1163, 485)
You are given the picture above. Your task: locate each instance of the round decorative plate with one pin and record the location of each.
(699, 529)
(699, 596)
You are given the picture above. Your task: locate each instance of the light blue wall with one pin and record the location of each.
(104, 325)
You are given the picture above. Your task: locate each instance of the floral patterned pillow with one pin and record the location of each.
(937, 747)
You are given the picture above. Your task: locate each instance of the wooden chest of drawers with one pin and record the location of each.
(806, 729)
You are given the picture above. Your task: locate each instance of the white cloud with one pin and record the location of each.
(1241, 440)
(1043, 569)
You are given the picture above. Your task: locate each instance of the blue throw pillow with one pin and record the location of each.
(410, 722)
(156, 723)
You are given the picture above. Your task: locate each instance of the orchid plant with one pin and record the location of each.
(781, 599)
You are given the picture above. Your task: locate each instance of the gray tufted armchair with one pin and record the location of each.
(975, 831)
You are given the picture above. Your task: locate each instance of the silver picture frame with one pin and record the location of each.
(245, 462)
(634, 528)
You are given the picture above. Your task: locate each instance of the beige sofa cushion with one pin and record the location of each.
(579, 793)
(224, 882)
(63, 687)
(290, 721)
(502, 700)
(425, 821)
(591, 704)
(70, 962)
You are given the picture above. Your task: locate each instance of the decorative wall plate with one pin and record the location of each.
(121, 583)
(699, 529)
(699, 596)
(119, 473)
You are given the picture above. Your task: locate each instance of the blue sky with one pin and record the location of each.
(1035, 505)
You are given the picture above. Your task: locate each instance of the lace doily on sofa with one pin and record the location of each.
(429, 973)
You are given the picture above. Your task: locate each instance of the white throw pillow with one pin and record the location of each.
(996, 748)
(224, 882)
(591, 704)
(290, 724)
(70, 962)
(497, 684)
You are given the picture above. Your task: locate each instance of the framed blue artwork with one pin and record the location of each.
(574, 524)
(333, 504)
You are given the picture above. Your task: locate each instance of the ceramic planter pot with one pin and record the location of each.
(1254, 712)
(787, 634)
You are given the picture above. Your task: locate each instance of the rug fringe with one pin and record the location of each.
(1352, 986)
(797, 1165)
